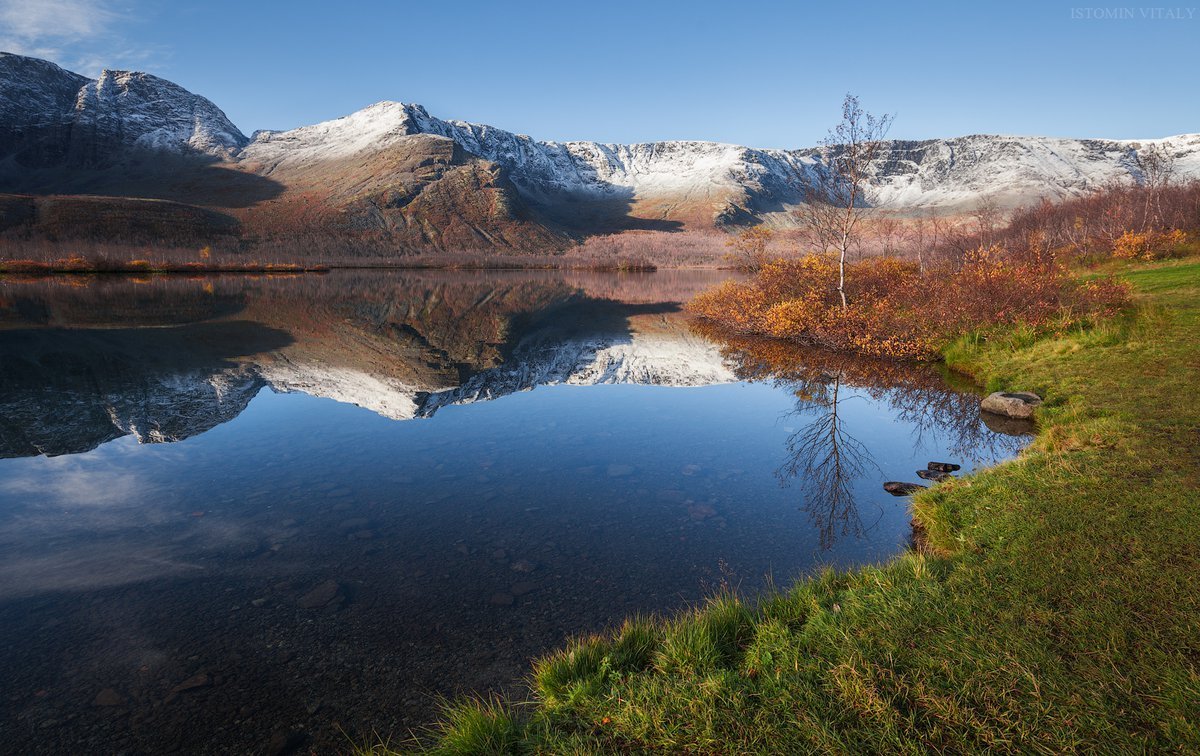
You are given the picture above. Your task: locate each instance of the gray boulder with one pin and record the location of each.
(1015, 404)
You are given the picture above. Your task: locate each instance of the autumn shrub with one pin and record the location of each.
(749, 248)
(896, 310)
(1148, 245)
(23, 266)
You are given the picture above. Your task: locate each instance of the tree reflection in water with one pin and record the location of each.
(822, 456)
(827, 461)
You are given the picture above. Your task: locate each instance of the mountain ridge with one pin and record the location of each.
(394, 172)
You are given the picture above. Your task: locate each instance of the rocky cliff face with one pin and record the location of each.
(397, 173)
(50, 117)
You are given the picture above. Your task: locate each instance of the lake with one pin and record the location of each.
(251, 513)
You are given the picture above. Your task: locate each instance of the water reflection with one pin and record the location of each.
(823, 458)
(827, 460)
(164, 362)
(339, 497)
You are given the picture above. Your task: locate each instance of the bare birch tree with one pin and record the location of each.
(834, 203)
(1157, 167)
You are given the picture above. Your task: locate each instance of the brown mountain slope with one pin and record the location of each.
(421, 192)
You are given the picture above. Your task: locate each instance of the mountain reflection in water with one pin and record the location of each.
(334, 498)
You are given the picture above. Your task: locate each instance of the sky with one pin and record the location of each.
(763, 74)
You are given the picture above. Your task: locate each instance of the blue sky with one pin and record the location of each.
(767, 74)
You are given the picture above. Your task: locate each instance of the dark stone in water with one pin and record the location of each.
(109, 697)
(319, 596)
(946, 467)
(896, 488)
(198, 680)
(285, 743)
(523, 565)
(934, 475)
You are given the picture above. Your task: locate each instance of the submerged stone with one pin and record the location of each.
(319, 596)
(945, 467)
(109, 697)
(934, 475)
(199, 680)
(896, 488)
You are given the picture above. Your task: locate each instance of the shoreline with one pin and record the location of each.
(46, 271)
(1030, 566)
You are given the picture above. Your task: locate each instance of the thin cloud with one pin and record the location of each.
(79, 34)
(41, 23)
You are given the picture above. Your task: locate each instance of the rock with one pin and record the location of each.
(946, 467)
(500, 555)
(319, 596)
(501, 599)
(523, 565)
(285, 743)
(700, 512)
(258, 602)
(522, 588)
(198, 680)
(620, 471)
(902, 489)
(934, 475)
(1016, 404)
(690, 469)
(108, 697)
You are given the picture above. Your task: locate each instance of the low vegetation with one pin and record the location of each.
(894, 309)
(81, 265)
(1056, 608)
(963, 278)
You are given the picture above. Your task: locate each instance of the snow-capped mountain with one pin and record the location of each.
(404, 175)
(51, 117)
(935, 173)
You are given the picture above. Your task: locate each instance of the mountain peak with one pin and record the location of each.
(51, 115)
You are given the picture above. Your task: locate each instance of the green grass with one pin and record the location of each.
(1059, 610)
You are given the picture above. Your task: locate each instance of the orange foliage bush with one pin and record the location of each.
(1148, 245)
(896, 310)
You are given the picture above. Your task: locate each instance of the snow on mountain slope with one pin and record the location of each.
(937, 173)
(51, 117)
(1014, 170)
(371, 129)
(142, 111)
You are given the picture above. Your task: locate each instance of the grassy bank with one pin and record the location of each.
(1058, 609)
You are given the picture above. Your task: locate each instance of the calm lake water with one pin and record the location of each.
(239, 514)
